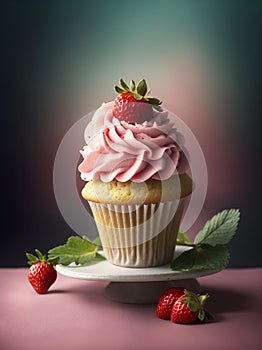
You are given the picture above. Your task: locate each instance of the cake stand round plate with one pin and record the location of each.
(136, 285)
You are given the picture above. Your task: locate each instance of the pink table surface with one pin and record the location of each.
(75, 314)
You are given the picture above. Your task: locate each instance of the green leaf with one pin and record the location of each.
(53, 261)
(124, 85)
(193, 306)
(133, 85)
(208, 315)
(142, 87)
(154, 101)
(203, 298)
(97, 241)
(182, 239)
(220, 229)
(39, 254)
(118, 89)
(201, 315)
(78, 250)
(202, 257)
(99, 257)
(138, 97)
(186, 300)
(190, 295)
(158, 108)
(31, 258)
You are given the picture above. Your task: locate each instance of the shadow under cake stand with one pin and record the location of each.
(136, 285)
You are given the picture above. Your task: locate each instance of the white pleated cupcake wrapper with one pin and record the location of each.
(131, 225)
(151, 242)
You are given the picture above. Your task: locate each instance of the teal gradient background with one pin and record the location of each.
(62, 58)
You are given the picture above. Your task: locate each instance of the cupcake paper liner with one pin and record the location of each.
(138, 235)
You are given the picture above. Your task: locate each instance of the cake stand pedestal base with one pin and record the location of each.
(145, 292)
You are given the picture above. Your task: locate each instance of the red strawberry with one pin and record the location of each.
(41, 273)
(132, 104)
(167, 300)
(189, 308)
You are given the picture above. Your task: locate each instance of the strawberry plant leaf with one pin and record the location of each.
(158, 108)
(31, 258)
(119, 90)
(132, 85)
(97, 241)
(124, 85)
(182, 239)
(193, 306)
(201, 315)
(142, 87)
(53, 261)
(79, 250)
(154, 101)
(188, 293)
(208, 315)
(138, 97)
(99, 256)
(186, 300)
(203, 298)
(220, 229)
(39, 254)
(203, 257)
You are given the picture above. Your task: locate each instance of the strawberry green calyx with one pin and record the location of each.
(32, 259)
(195, 303)
(139, 91)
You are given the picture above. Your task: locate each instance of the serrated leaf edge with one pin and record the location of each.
(227, 216)
(71, 257)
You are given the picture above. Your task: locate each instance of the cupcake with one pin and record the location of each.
(136, 178)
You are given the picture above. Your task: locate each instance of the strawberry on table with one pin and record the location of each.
(167, 300)
(41, 273)
(189, 308)
(133, 104)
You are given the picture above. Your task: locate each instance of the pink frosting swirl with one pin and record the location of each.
(118, 150)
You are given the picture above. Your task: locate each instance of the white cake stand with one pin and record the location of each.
(136, 285)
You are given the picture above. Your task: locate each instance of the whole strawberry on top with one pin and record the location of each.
(41, 273)
(133, 104)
